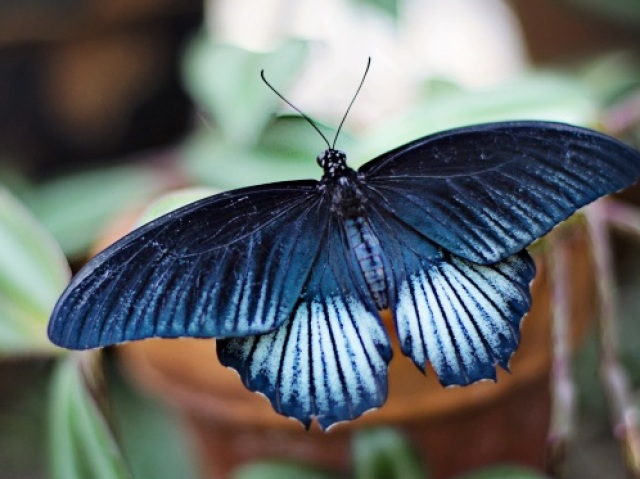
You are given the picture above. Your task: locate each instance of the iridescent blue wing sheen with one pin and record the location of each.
(329, 360)
(486, 192)
(229, 265)
(462, 317)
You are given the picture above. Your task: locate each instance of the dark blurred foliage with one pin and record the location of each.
(86, 80)
(24, 388)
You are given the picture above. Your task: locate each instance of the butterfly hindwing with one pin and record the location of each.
(462, 317)
(486, 192)
(329, 360)
(221, 266)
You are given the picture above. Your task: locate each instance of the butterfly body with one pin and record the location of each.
(344, 189)
(290, 277)
(369, 255)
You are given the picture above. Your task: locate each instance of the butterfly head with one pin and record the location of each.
(333, 162)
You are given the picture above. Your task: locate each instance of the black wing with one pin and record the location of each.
(486, 192)
(233, 264)
(329, 360)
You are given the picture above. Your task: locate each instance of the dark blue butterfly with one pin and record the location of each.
(290, 276)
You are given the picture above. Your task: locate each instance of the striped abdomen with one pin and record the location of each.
(366, 248)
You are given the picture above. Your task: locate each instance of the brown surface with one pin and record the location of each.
(85, 80)
(555, 31)
(454, 429)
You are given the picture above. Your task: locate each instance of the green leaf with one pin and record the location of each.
(225, 81)
(274, 470)
(385, 454)
(224, 165)
(287, 150)
(611, 76)
(388, 6)
(292, 138)
(504, 472)
(535, 97)
(33, 273)
(75, 208)
(81, 444)
(153, 436)
(172, 201)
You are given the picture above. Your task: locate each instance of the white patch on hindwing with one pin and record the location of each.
(457, 314)
(322, 359)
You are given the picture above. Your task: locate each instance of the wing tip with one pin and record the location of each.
(60, 334)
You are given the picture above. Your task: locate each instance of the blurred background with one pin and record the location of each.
(107, 105)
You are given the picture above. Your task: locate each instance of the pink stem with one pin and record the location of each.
(562, 387)
(616, 384)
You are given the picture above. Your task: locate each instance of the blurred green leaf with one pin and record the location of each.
(534, 97)
(75, 208)
(223, 165)
(12, 178)
(504, 472)
(287, 150)
(385, 454)
(172, 201)
(80, 440)
(611, 76)
(388, 6)
(225, 81)
(33, 273)
(436, 86)
(272, 470)
(292, 138)
(152, 436)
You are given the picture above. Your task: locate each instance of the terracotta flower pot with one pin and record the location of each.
(453, 429)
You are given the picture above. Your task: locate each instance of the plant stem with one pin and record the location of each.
(616, 384)
(562, 386)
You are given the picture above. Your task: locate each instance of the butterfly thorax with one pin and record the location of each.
(334, 164)
(342, 185)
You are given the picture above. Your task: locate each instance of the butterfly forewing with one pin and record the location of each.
(486, 192)
(329, 360)
(229, 265)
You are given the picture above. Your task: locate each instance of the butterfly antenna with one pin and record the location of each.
(366, 70)
(309, 120)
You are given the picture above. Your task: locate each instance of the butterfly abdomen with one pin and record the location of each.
(366, 248)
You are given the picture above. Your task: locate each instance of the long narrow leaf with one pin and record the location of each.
(33, 272)
(81, 444)
(75, 208)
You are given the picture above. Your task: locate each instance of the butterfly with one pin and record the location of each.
(290, 277)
